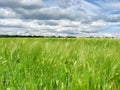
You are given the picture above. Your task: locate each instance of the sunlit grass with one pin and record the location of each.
(59, 64)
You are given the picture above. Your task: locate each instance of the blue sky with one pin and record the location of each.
(60, 17)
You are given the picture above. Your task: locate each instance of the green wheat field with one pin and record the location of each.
(59, 64)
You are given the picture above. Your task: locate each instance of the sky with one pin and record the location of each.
(60, 17)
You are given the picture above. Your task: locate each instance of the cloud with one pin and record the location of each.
(7, 13)
(27, 4)
(58, 27)
(47, 13)
(60, 17)
(108, 5)
(113, 18)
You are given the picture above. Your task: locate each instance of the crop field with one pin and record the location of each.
(59, 64)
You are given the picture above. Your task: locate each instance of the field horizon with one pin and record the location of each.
(53, 36)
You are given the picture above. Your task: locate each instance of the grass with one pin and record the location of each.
(59, 64)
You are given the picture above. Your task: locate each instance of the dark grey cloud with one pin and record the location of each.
(50, 22)
(113, 18)
(27, 4)
(92, 31)
(47, 14)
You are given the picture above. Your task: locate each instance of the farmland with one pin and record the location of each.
(59, 64)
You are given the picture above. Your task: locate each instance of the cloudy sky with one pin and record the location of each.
(60, 17)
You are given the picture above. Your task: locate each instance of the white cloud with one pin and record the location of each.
(99, 23)
(7, 12)
(109, 5)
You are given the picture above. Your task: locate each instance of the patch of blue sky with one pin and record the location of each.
(115, 12)
(92, 1)
(112, 29)
(50, 3)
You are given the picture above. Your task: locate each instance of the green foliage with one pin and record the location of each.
(59, 64)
